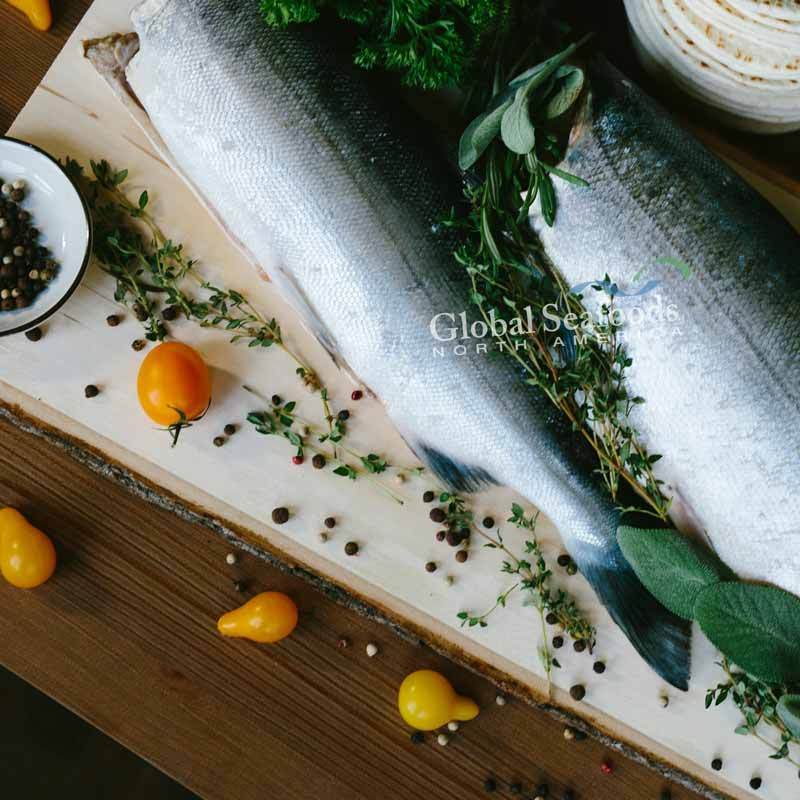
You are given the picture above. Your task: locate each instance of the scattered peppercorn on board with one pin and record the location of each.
(378, 550)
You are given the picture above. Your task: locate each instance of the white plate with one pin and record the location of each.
(60, 213)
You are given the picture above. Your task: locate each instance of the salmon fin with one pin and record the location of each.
(456, 476)
(662, 639)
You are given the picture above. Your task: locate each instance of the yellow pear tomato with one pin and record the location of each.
(267, 618)
(27, 556)
(427, 701)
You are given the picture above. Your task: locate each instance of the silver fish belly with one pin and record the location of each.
(325, 184)
(716, 354)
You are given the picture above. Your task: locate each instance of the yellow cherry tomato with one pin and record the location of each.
(173, 381)
(267, 618)
(38, 12)
(27, 556)
(427, 701)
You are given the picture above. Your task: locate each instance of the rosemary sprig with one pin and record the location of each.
(758, 701)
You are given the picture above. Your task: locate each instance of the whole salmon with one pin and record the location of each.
(716, 342)
(328, 186)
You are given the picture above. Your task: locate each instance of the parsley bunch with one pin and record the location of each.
(430, 43)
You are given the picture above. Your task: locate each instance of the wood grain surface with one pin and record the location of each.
(125, 636)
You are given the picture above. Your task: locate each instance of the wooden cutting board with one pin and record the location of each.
(73, 112)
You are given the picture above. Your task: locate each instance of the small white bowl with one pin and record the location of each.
(60, 213)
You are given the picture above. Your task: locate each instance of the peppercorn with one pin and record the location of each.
(318, 462)
(579, 645)
(462, 556)
(357, 395)
(563, 560)
(170, 313)
(577, 692)
(551, 618)
(139, 312)
(490, 785)
(240, 586)
(515, 788)
(542, 790)
(441, 536)
(91, 391)
(558, 642)
(351, 548)
(488, 522)
(138, 344)
(229, 429)
(430, 566)
(428, 497)
(755, 783)
(34, 334)
(580, 736)
(716, 764)
(330, 522)
(572, 568)
(418, 737)
(280, 515)
(453, 538)
(112, 320)
(437, 515)
(343, 415)
(599, 667)
(276, 399)
(219, 441)
(18, 195)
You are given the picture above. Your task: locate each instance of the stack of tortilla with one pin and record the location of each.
(739, 57)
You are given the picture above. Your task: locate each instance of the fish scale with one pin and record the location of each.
(328, 185)
(722, 382)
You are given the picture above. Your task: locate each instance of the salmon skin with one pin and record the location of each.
(330, 188)
(716, 345)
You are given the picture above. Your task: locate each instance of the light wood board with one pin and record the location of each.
(73, 112)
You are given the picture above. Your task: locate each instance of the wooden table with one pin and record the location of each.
(125, 634)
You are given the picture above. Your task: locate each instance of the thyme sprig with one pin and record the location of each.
(759, 703)
(534, 579)
(282, 420)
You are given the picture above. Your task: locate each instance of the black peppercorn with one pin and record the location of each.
(351, 548)
(558, 642)
(330, 522)
(219, 441)
(453, 538)
(441, 536)
(430, 566)
(716, 764)
(437, 515)
(428, 497)
(488, 522)
(138, 344)
(170, 313)
(515, 788)
(343, 415)
(318, 462)
(563, 560)
(551, 618)
(280, 515)
(112, 320)
(34, 334)
(577, 692)
(139, 312)
(755, 783)
(579, 645)
(91, 391)
(490, 785)
(418, 737)
(276, 399)
(229, 429)
(462, 556)
(599, 667)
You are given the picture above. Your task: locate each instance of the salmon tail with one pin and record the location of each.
(661, 638)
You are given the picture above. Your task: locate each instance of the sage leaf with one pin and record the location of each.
(757, 627)
(788, 710)
(567, 87)
(480, 133)
(516, 128)
(671, 567)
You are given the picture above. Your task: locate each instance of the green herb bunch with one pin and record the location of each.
(755, 627)
(430, 43)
